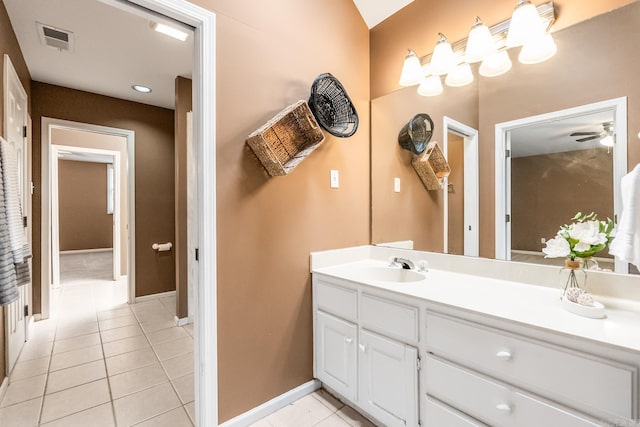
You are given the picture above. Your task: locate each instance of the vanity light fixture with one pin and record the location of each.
(430, 86)
(525, 24)
(528, 27)
(411, 70)
(443, 60)
(480, 43)
(169, 31)
(141, 88)
(461, 75)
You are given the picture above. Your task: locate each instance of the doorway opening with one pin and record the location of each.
(460, 147)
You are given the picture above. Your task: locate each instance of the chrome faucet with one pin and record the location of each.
(405, 263)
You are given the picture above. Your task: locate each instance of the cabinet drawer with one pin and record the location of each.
(492, 402)
(390, 318)
(578, 380)
(438, 415)
(337, 300)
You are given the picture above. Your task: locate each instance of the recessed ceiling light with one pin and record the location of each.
(141, 89)
(170, 31)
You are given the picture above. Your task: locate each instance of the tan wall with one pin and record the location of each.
(154, 182)
(571, 78)
(183, 106)
(581, 181)
(81, 138)
(455, 158)
(414, 213)
(9, 46)
(417, 25)
(82, 202)
(268, 55)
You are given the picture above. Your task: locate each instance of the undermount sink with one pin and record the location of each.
(390, 274)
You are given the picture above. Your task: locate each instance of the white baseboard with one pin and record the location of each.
(3, 387)
(85, 251)
(268, 408)
(181, 322)
(155, 296)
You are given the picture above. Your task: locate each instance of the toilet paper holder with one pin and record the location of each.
(161, 247)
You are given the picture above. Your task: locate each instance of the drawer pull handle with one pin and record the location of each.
(503, 407)
(363, 348)
(503, 355)
(348, 340)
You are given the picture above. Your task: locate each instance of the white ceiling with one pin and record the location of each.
(375, 11)
(114, 49)
(553, 137)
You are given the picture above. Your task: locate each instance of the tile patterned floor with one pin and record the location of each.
(318, 409)
(100, 362)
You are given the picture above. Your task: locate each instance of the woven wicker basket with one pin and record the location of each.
(431, 167)
(287, 139)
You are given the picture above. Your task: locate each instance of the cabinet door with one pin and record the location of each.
(336, 354)
(388, 380)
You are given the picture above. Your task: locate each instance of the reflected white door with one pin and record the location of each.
(15, 120)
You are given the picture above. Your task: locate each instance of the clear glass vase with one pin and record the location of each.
(574, 274)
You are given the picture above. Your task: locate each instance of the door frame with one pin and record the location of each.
(204, 136)
(502, 185)
(49, 214)
(471, 186)
(55, 209)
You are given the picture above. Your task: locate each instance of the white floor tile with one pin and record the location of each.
(76, 330)
(144, 405)
(98, 416)
(83, 341)
(126, 345)
(169, 349)
(23, 414)
(179, 366)
(327, 400)
(114, 313)
(137, 380)
(190, 328)
(185, 388)
(353, 418)
(169, 334)
(156, 326)
(23, 390)
(30, 368)
(118, 322)
(75, 376)
(129, 361)
(121, 333)
(305, 412)
(75, 357)
(70, 401)
(175, 418)
(191, 411)
(262, 423)
(333, 421)
(35, 350)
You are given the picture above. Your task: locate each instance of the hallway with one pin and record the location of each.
(99, 361)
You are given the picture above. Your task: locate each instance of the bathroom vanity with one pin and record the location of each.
(441, 348)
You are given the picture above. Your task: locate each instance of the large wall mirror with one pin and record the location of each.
(551, 174)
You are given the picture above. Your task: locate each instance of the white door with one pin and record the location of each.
(15, 121)
(389, 380)
(336, 354)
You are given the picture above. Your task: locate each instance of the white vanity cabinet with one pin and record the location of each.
(365, 351)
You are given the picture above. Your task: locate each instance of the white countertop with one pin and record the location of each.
(527, 304)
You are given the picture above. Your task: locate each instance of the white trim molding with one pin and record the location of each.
(181, 321)
(86, 251)
(259, 412)
(502, 141)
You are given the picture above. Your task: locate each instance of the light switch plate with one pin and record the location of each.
(335, 178)
(396, 185)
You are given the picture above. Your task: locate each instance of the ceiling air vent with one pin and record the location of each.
(55, 37)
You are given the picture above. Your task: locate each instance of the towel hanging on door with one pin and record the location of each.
(626, 244)
(8, 282)
(17, 238)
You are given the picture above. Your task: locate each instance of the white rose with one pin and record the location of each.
(587, 233)
(556, 247)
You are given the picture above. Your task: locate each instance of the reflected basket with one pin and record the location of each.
(287, 139)
(431, 167)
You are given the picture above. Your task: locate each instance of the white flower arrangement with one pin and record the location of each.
(585, 237)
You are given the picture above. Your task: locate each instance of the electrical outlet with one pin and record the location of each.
(396, 185)
(335, 178)
(543, 240)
